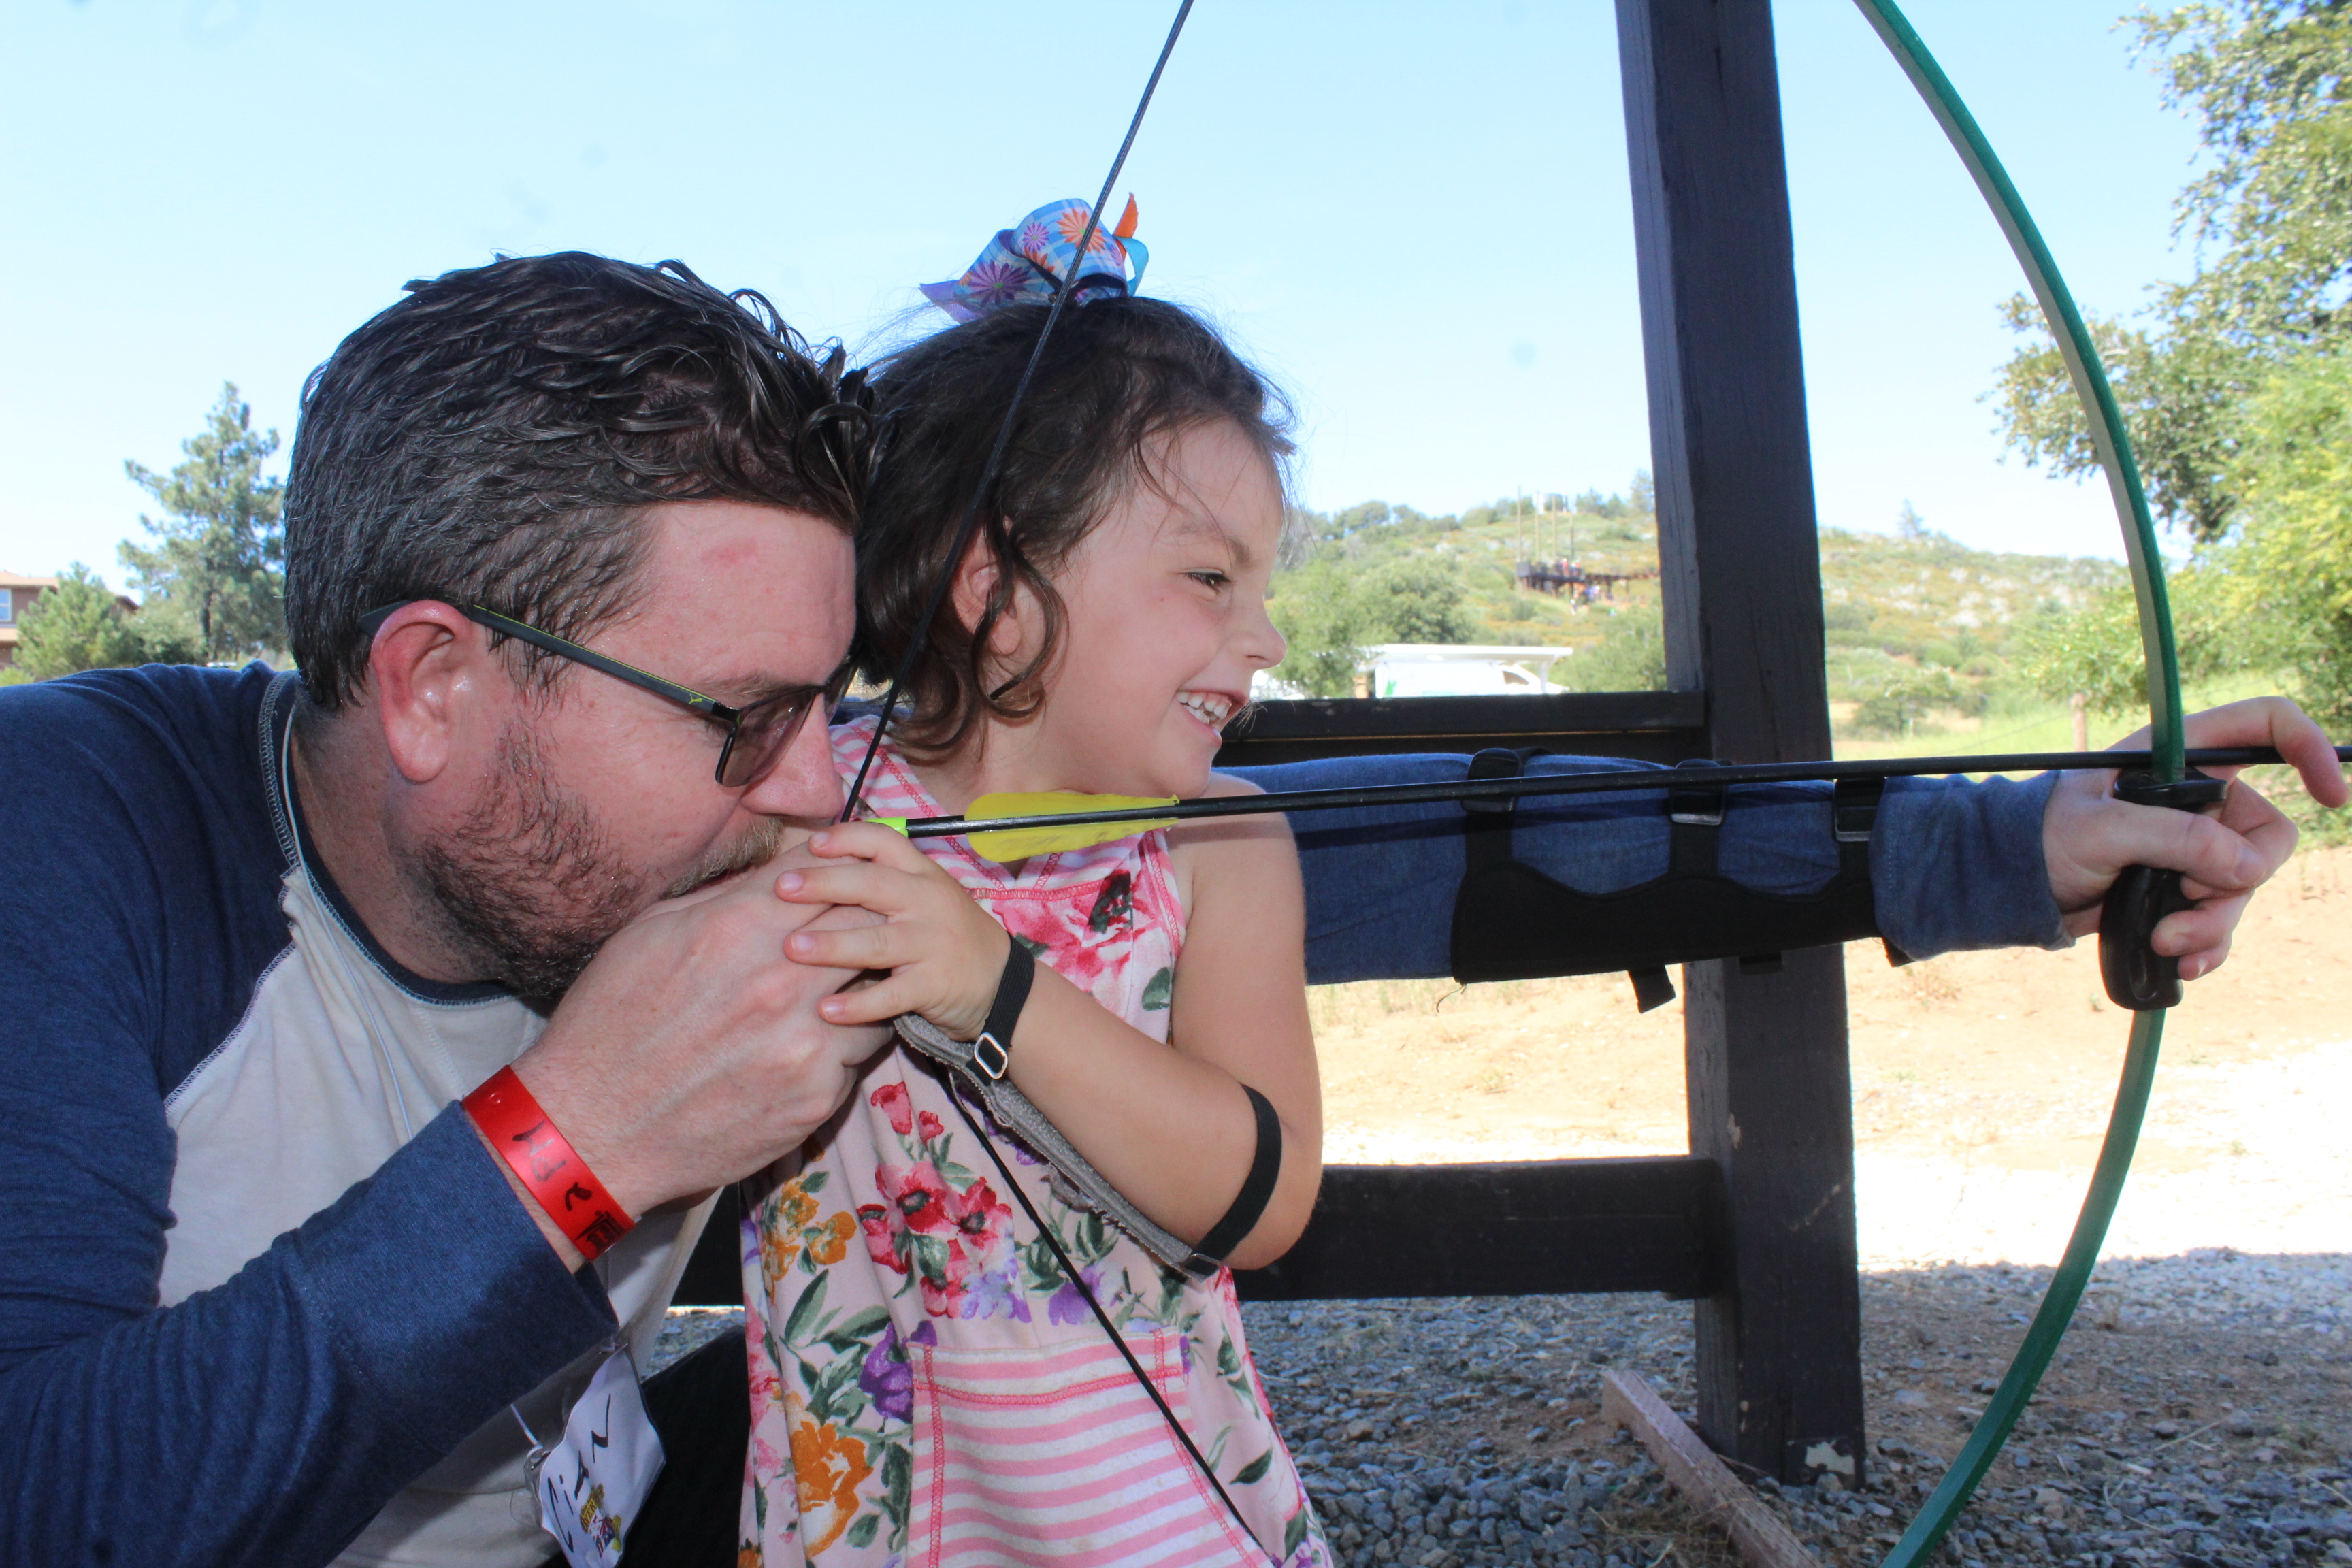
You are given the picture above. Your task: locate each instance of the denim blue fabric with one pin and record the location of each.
(1953, 864)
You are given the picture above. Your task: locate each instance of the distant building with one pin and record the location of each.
(1461, 669)
(16, 595)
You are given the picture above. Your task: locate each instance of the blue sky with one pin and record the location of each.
(1414, 216)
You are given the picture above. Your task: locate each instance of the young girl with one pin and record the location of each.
(928, 1385)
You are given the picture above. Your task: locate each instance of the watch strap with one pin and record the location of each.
(991, 1049)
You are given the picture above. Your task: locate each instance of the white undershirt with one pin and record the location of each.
(333, 1067)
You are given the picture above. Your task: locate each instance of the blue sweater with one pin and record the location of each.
(268, 1418)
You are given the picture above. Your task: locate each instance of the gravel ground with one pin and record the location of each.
(2199, 1414)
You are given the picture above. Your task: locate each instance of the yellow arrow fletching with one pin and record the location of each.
(1020, 843)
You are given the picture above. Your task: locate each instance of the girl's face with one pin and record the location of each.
(1166, 622)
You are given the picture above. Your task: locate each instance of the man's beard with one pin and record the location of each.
(528, 882)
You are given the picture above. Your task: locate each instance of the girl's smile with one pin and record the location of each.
(1211, 707)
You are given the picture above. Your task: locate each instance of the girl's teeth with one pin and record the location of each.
(1209, 711)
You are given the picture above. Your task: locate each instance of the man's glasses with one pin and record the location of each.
(756, 735)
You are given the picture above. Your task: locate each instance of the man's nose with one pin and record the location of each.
(802, 781)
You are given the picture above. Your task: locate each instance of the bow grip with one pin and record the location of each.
(2139, 978)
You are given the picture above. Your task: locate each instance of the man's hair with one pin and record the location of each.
(1118, 377)
(495, 438)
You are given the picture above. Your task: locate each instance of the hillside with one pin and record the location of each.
(1917, 625)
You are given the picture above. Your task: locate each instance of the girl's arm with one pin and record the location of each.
(1166, 1124)
(1171, 1128)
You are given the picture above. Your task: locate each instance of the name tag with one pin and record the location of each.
(591, 1484)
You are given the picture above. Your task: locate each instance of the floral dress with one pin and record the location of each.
(927, 1385)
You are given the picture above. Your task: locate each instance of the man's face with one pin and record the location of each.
(589, 804)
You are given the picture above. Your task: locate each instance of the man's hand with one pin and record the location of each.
(690, 1052)
(2088, 836)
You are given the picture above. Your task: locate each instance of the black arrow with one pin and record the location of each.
(1603, 781)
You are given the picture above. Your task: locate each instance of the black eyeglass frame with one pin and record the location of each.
(796, 702)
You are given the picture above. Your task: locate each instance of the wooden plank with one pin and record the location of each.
(1531, 1228)
(1629, 1402)
(1653, 726)
(1539, 1228)
(714, 1270)
(1779, 1373)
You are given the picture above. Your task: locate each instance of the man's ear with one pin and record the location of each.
(430, 671)
(975, 581)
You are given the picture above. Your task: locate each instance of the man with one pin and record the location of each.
(267, 1293)
(281, 926)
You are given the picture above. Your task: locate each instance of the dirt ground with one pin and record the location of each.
(1981, 1084)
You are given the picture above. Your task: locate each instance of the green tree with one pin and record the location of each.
(2285, 573)
(2096, 650)
(1629, 656)
(2178, 391)
(1643, 495)
(1416, 600)
(1316, 609)
(1332, 610)
(80, 625)
(2234, 382)
(220, 550)
(2270, 82)
(1895, 710)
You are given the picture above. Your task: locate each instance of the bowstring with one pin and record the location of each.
(1063, 288)
(1077, 1280)
(966, 527)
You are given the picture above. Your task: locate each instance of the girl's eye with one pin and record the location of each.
(1209, 579)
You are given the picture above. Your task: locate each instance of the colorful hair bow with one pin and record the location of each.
(1029, 261)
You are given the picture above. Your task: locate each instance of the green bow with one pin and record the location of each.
(2164, 744)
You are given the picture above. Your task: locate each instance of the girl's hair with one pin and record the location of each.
(1118, 377)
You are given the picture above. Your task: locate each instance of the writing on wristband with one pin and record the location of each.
(551, 1168)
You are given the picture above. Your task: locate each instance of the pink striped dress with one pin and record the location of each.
(927, 1386)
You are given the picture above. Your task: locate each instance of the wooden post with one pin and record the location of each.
(1780, 1383)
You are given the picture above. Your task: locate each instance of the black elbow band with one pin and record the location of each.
(1258, 1188)
(1513, 922)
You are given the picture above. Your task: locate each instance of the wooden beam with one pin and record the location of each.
(1533, 1228)
(1542, 1227)
(714, 1270)
(1629, 1402)
(1780, 1367)
(1650, 726)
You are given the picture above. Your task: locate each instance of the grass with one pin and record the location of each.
(2038, 726)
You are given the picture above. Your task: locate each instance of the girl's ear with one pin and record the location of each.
(975, 581)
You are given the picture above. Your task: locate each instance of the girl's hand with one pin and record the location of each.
(944, 953)
(2088, 836)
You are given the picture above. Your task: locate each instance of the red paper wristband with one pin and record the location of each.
(547, 1164)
